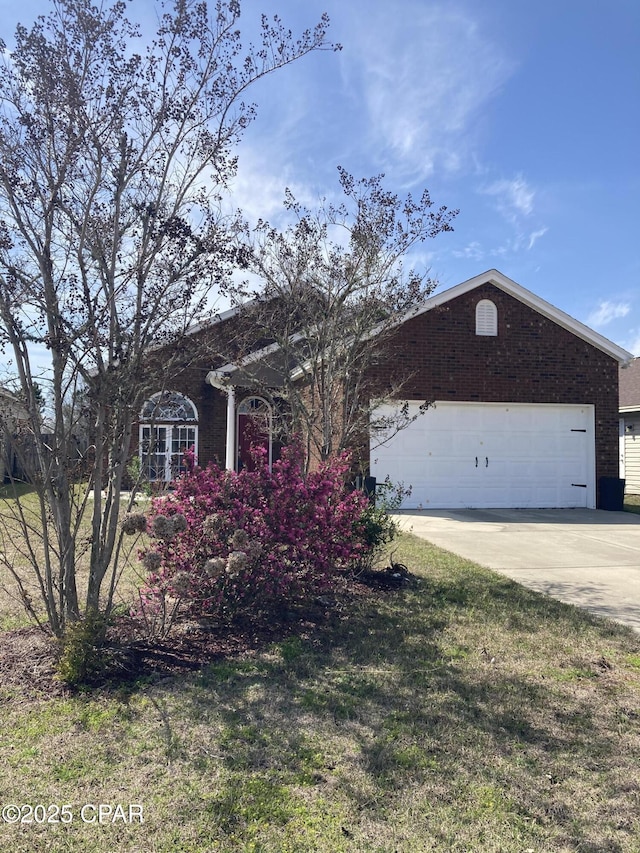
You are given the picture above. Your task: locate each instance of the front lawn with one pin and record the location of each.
(12, 543)
(465, 714)
(632, 503)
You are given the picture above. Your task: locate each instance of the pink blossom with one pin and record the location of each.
(283, 535)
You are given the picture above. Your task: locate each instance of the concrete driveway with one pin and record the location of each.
(586, 557)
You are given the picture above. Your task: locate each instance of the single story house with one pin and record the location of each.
(524, 404)
(630, 426)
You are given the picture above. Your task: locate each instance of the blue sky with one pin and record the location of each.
(525, 114)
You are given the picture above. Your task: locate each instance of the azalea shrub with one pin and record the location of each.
(224, 542)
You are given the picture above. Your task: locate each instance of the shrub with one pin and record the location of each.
(81, 658)
(379, 528)
(227, 542)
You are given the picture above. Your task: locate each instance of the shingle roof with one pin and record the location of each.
(630, 385)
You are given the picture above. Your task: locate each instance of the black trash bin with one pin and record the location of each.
(366, 485)
(612, 493)
(370, 489)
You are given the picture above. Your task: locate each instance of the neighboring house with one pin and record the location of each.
(11, 413)
(525, 407)
(630, 426)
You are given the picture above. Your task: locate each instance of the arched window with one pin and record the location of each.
(168, 428)
(486, 318)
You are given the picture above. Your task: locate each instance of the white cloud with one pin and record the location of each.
(608, 311)
(258, 189)
(534, 236)
(425, 76)
(513, 198)
(473, 251)
(255, 188)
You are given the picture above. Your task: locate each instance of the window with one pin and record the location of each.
(486, 318)
(257, 408)
(168, 428)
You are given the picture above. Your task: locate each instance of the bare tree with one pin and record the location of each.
(333, 290)
(112, 165)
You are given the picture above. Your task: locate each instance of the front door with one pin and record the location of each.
(254, 432)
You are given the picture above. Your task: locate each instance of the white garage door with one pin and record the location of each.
(491, 455)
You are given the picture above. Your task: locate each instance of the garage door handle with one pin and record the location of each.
(486, 461)
(476, 461)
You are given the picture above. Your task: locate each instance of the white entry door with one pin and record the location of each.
(492, 455)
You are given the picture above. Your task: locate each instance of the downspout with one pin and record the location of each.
(221, 382)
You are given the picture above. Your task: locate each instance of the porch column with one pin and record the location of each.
(230, 459)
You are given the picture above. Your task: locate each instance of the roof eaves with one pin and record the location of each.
(217, 318)
(223, 374)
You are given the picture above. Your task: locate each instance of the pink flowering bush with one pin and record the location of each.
(227, 542)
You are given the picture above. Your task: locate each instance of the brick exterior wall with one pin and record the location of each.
(532, 360)
(211, 404)
(201, 353)
(212, 414)
(210, 348)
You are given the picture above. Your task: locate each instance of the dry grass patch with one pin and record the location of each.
(466, 714)
(12, 543)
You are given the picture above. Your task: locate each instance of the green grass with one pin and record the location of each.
(9, 491)
(632, 503)
(468, 714)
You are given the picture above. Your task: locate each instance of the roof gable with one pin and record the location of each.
(546, 309)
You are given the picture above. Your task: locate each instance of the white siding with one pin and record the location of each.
(632, 455)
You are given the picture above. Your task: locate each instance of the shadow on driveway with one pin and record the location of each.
(590, 558)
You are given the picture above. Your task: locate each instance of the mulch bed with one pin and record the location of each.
(27, 663)
(28, 655)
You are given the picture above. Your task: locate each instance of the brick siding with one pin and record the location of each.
(532, 360)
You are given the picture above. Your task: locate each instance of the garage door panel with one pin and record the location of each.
(494, 455)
